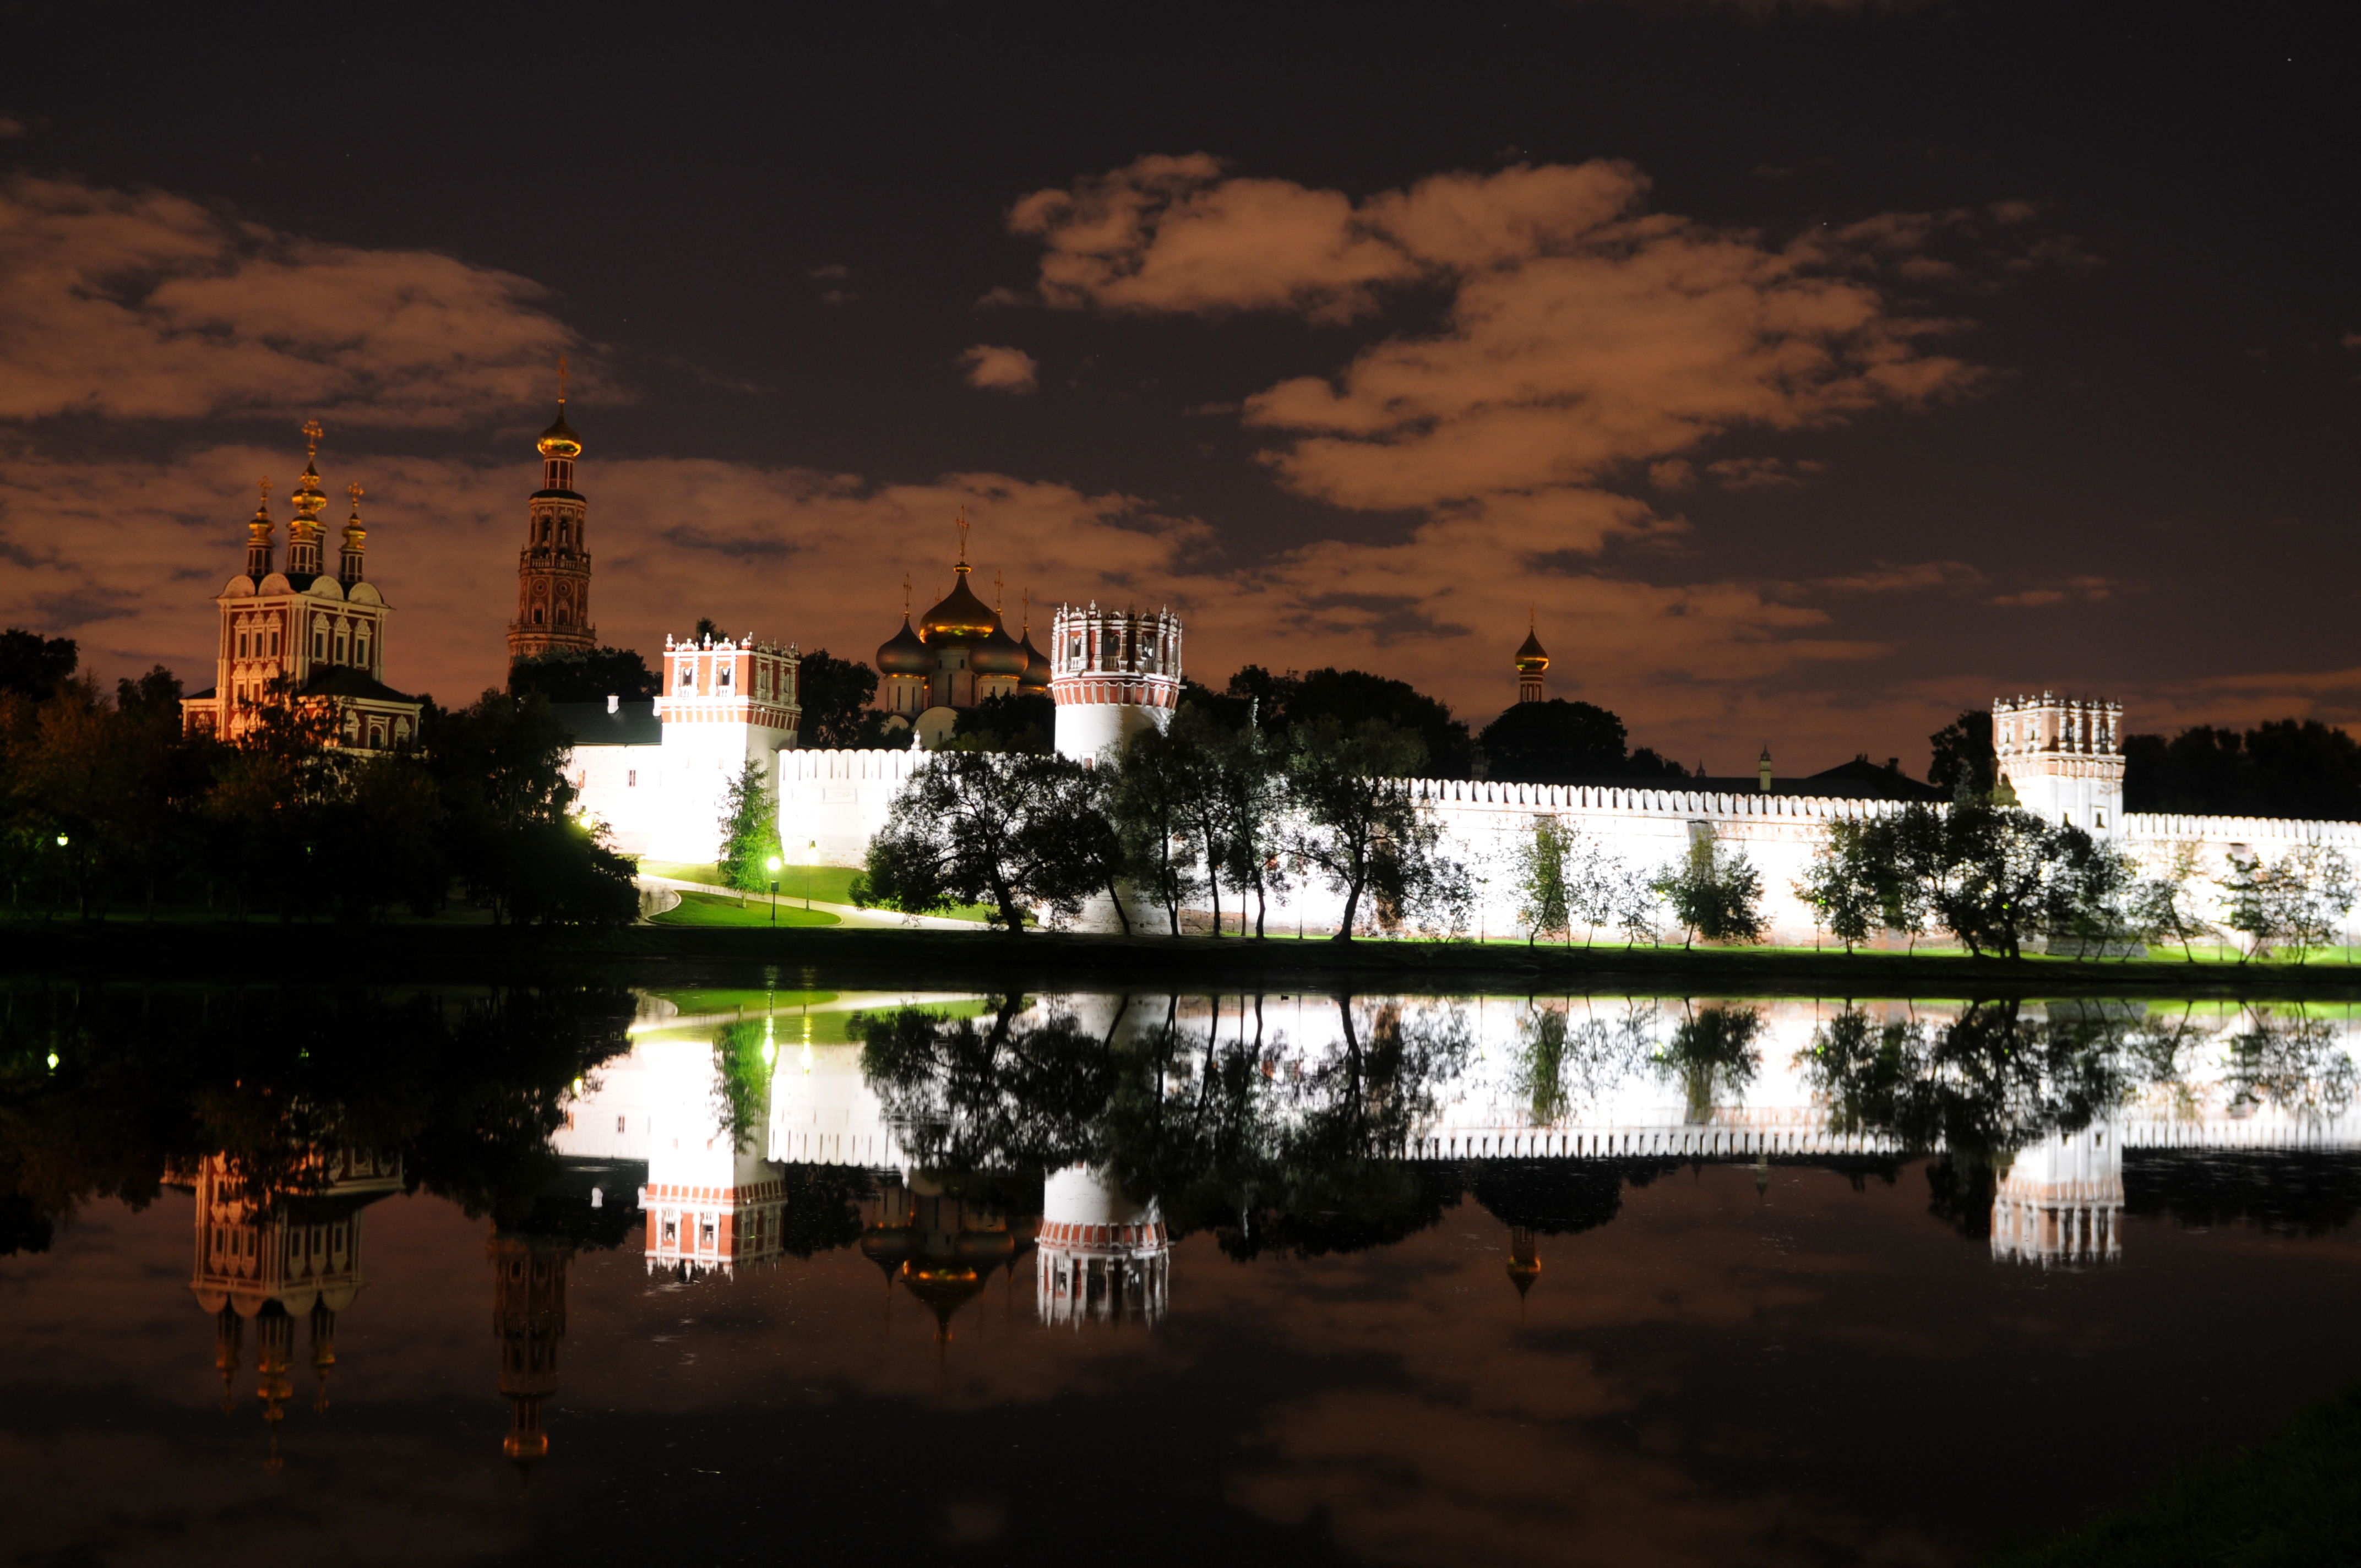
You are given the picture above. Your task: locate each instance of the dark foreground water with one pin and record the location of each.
(602, 1276)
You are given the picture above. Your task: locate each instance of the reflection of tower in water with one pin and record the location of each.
(528, 1319)
(2061, 1203)
(1524, 1262)
(269, 1254)
(1103, 1257)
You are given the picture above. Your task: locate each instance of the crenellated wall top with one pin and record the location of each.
(1680, 803)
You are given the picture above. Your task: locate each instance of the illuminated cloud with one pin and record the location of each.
(142, 305)
(992, 368)
(1581, 336)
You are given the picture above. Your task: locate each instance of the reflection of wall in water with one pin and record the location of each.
(1102, 1257)
(2062, 1202)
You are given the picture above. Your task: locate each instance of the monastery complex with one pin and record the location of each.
(656, 773)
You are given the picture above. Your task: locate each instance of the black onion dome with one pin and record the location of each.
(1038, 670)
(999, 654)
(903, 654)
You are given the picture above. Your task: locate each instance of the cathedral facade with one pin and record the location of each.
(302, 636)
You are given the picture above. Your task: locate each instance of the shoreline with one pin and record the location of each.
(858, 958)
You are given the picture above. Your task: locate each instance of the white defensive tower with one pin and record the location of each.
(1101, 1257)
(1112, 673)
(2064, 758)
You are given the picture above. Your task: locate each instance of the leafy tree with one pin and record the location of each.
(708, 627)
(593, 677)
(976, 828)
(1840, 887)
(1715, 892)
(1636, 905)
(1964, 764)
(1538, 870)
(1245, 772)
(2164, 904)
(1350, 698)
(499, 767)
(156, 694)
(33, 665)
(2296, 901)
(749, 829)
(1988, 875)
(1150, 803)
(1016, 721)
(835, 695)
(2284, 768)
(1357, 822)
(1536, 742)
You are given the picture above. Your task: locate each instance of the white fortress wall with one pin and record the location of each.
(621, 786)
(832, 803)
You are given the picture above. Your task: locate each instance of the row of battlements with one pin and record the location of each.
(1647, 801)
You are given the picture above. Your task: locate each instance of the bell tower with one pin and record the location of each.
(554, 567)
(1532, 662)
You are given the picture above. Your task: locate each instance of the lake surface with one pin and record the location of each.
(599, 1275)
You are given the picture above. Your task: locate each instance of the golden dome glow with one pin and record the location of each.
(1530, 659)
(959, 617)
(559, 440)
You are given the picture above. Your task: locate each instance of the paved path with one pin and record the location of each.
(851, 914)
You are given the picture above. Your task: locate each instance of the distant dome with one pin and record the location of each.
(959, 618)
(1035, 682)
(1000, 654)
(903, 654)
(1530, 659)
(559, 440)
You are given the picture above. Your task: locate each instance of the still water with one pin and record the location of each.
(601, 1275)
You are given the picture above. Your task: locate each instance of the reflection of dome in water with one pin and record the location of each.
(945, 1287)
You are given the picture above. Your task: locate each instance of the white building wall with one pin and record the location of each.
(832, 803)
(621, 786)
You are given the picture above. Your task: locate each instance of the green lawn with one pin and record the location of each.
(711, 909)
(829, 884)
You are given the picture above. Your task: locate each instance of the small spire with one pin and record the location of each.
(962, 526)
(996, 593)
(1028, 612)
(906, 595)
(355, 490)
(561, 383)
(310, 431)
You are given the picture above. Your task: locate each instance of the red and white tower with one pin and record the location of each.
(1101, 1257)
(1112, 673)
(554, 567)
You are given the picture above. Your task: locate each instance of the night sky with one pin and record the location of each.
(1810, 371)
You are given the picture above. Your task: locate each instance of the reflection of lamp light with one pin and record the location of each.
(53, 1061)
(62, 840)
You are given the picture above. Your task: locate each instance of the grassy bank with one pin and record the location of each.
(2293, 1501)
(855, 955)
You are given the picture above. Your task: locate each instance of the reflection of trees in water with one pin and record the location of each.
(1565, 1063)
(1994, 1081)
(1004, 1092)
(1711, 1054)
(2292, 1063)
(1235, 1135)
(468, 1085)
(2287, 1192)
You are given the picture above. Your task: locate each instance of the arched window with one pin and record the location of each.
(319, 639)
(360, 650)
(343, 646)
(241, 641)
(536, 615)
(274, 642)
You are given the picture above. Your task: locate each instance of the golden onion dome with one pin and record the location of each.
(1038, 671)
(559, 440)
(999, 654)
(959, 617)
(903, 654)
(1530, 659)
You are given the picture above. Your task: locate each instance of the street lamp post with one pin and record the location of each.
(773, 864)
